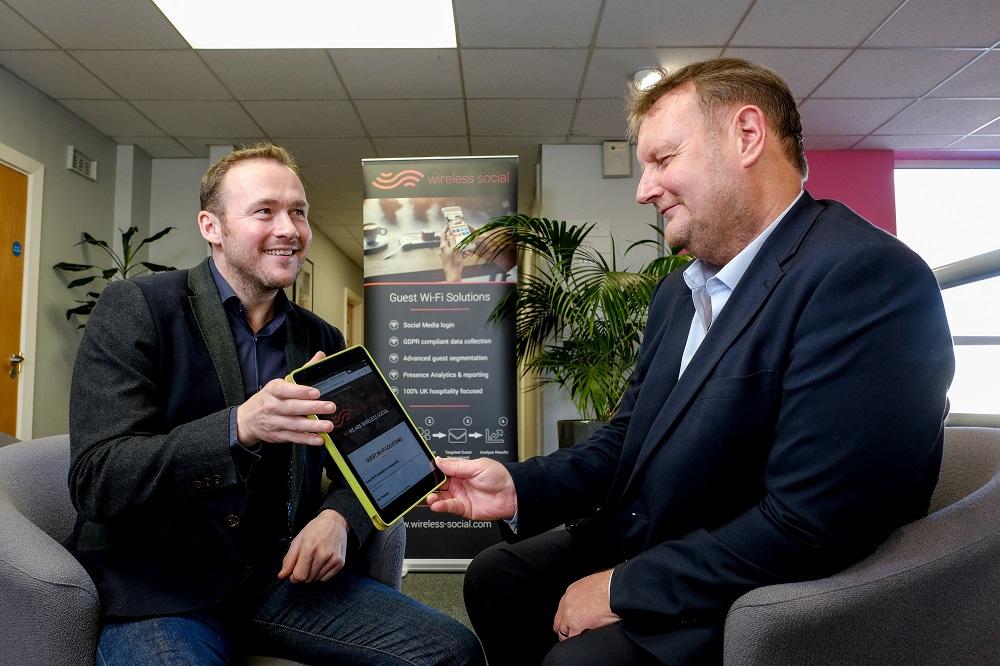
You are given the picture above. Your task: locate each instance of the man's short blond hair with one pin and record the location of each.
(211, 182)
(726, 83)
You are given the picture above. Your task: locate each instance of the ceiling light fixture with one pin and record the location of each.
(647, 77)
(308, 24)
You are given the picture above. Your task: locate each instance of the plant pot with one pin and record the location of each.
(572, 431)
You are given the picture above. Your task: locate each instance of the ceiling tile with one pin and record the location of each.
(830, 142)
(847, 116)
(413, 117)
(529, 117)
(421, 146)
(812, 23)
(600, 117)
(893, 72)
(633, 23)
(334, 199)
(306, 118)
(399, 73)
(802, 69)
(206, 118)
(548, 73)
(582, 140)
(328, 152)
(610, 69)
(156, 146)
(906, 142)
(980, 79)
(112, 117)
(992, 128)
(978, 142)
(526, 22)
(954, 23)
(199, 146)
(55, 74)
(349, 179)
(16, 33)
(943, 116)
(154, 74)
(108, 24)
(276, 73)
(527, 148)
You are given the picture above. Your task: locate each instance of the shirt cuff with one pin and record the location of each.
(243, 457)
(512, 523)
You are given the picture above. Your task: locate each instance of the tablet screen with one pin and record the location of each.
(372, 432)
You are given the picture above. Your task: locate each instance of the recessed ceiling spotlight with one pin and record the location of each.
(647, 77)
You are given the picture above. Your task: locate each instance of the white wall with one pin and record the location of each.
(573, 189)
(333, 272)
(173, 202)
(34, 125)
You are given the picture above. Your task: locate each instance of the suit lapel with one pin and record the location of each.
(297, 346)
(214, 328)
(750, 295)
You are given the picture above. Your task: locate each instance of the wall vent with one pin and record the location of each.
(79, 162)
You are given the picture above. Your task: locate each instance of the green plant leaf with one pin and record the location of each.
(67, 266)
(81, 310)
(79, 282)
(156, 268)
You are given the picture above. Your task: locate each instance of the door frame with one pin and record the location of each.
(35, 171)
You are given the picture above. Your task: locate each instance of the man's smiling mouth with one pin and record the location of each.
(280, 253)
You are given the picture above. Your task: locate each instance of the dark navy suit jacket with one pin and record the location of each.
(805, 429)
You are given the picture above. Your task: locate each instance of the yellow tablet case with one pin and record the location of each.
(338, 458)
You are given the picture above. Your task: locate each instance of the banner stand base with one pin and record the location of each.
(438, 566)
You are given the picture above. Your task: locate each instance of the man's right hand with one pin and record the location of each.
(279, 413)
(480, 489)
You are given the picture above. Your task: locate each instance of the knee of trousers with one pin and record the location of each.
(489, 572)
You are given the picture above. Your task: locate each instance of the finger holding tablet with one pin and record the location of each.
(480, 489)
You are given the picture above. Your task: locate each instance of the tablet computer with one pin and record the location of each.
(380, 452)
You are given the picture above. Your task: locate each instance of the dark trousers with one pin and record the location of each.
(512, 592)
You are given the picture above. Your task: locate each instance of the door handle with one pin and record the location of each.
(15, 365)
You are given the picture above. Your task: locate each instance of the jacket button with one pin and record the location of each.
(217, 479)
(197, 485)
(232, 520)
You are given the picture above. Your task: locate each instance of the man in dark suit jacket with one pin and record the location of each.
(784, 416)
(196, 472)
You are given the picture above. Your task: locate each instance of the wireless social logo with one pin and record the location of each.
(388, 180)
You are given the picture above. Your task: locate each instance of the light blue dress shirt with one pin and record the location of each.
(712, 286)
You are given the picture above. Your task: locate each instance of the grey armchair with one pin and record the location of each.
(929, 595)
(49, 613)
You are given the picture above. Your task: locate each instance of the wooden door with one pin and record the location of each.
(13, 208)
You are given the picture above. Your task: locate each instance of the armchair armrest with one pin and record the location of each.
(384, 555)
(928, 595)
(50, 607)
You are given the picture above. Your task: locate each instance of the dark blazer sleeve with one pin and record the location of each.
(866, 374)
(573, 483)
(123, 460)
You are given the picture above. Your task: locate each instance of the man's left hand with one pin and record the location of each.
(319, 551)
(585, 605)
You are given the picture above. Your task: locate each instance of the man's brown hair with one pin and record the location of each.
(211, 182)
(724, 83)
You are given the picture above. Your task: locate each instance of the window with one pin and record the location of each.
(949, 216)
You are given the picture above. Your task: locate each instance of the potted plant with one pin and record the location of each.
(124, 266)
(579, 317)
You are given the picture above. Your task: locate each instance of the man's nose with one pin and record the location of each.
(648, 190)
(284, 226)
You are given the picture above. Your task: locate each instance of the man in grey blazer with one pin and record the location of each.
(785, 414)
(196, 472)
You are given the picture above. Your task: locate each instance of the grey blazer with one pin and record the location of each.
(151, 473)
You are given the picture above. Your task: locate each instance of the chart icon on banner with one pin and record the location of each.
(494, 436)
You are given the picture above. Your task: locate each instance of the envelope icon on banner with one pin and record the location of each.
(457, 435)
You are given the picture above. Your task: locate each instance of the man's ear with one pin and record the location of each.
(751, 131)
(210, 227)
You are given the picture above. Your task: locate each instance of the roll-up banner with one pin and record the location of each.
(427, 322)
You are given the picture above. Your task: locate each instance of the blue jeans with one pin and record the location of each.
(349, 620)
